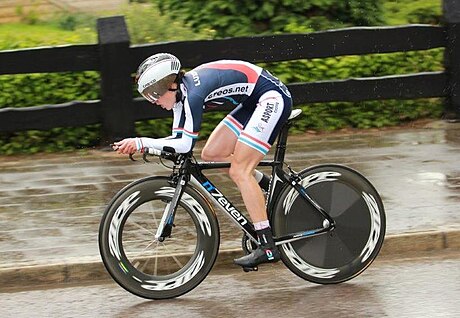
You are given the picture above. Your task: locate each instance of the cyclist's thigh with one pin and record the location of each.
(266, 121)
(222, 141)
(246, 158)
(220, 144)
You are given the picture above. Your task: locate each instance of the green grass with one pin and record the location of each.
(397, 12)
(17, 35)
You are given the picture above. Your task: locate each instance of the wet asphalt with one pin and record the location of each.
(424, 286)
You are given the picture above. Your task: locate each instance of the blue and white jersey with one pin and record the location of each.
(237, 84)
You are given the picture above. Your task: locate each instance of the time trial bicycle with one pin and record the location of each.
(159, 236)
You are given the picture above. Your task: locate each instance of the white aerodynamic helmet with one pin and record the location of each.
(156, 74)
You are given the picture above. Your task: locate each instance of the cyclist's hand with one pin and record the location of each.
(126, 146)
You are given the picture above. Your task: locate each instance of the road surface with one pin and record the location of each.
(422, 286)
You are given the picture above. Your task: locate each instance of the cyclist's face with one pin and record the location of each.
(168, 99)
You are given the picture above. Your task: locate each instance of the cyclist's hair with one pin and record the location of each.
(179, 77)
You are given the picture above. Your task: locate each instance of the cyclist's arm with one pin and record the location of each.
(187, 122)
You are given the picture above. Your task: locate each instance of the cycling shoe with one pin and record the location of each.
(259, 256)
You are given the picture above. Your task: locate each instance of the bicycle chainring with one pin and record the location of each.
(247, 244)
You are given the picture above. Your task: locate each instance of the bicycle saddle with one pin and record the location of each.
(294, 113)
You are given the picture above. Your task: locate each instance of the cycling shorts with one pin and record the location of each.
(257, 121)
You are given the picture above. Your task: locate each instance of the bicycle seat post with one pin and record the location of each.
(283, 135)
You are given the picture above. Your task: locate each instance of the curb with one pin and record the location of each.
(43, 276)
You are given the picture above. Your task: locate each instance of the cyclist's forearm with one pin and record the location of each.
(180, 145)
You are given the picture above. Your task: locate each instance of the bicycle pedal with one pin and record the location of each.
(250, 269)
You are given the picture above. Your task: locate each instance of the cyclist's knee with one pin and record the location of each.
(206, 155)
(210, 154)
(235, 175)
(239, 173)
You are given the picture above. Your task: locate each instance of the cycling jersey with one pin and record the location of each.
(261, 105)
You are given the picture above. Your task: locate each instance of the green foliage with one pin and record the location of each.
(329, 116)
(55, 88)
(368, 114)
(28, 17)
(247, 17)
(143, 28)
(57, 139)
(415, 11)
(74, 21)
(39, 89)
(242, 17)
(371, 65)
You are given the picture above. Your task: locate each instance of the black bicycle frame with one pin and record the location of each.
(278, 174)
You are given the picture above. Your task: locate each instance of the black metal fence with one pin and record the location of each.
(116, 59)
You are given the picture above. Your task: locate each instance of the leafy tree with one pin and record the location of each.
(247, 17)
(147, 25)
(415, 11)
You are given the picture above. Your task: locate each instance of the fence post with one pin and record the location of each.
(116, 83)
(451, 17)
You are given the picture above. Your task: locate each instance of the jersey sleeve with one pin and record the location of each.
(185, 130)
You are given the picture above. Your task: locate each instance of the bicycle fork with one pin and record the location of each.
(167, 219)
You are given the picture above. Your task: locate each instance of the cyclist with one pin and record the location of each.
(262, 104)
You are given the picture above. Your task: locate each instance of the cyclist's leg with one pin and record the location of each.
(245, 159)
(220, 147)
(221, 143)
(253, 143)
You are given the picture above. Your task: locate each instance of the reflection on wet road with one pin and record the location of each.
(422, 287)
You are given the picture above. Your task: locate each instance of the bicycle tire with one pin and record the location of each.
(347, 250)
(149, 268)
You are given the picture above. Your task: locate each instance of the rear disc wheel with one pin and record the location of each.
(359, 217)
